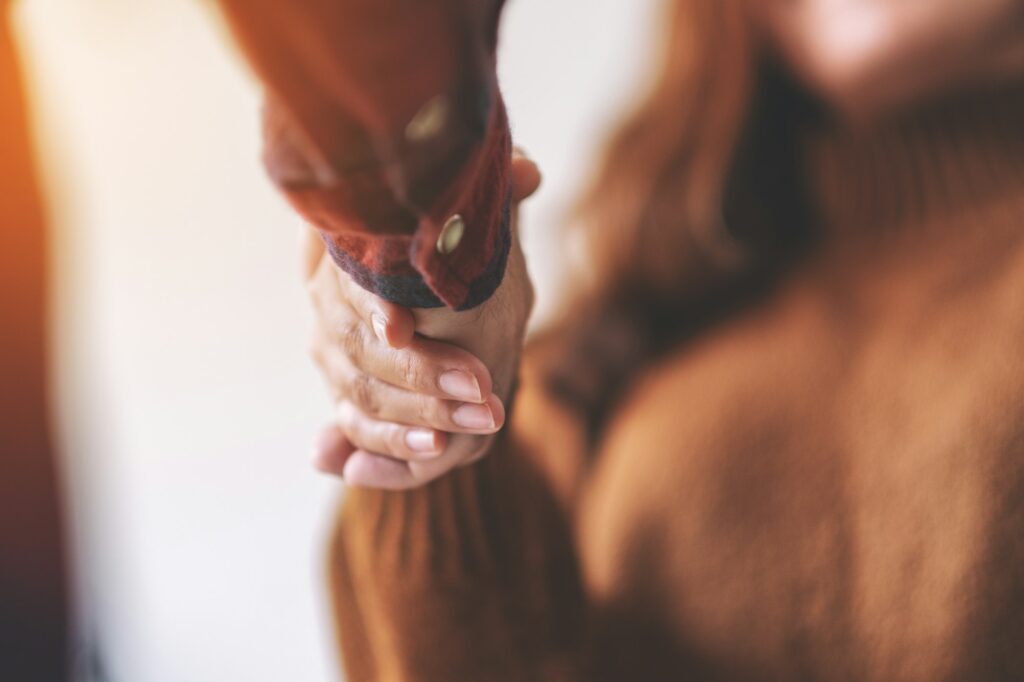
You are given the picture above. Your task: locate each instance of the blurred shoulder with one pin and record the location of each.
(544, 427)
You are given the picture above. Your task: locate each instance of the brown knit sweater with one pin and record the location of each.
(828, 486)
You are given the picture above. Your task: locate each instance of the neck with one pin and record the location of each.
(920, 170)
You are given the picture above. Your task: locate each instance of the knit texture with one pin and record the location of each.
(826, 487)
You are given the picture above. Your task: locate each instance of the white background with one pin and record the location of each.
(186, 402)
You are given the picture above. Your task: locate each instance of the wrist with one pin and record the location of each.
(493, 330)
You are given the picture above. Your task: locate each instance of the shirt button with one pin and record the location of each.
(428, 121)
(451, 234)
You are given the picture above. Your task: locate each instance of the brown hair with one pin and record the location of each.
(697, 208)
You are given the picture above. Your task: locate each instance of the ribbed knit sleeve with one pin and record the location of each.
(471, 578)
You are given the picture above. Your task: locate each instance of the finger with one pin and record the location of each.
(393, 324)
(394, 440)
(334, 294)
(329, 359)
(373, 470)
(432, 368)
(389, 403)
(367, 470)
(462, 450)
(331, 450)
(526, 176)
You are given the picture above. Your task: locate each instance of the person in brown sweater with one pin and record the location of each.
(776, 435)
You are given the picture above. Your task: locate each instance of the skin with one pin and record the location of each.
(416, 392)
(395, 426)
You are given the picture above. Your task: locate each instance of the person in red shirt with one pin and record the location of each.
(385, 128)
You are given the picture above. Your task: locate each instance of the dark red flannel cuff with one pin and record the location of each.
(461, 245)
(410, 288)
(430, 228)
(385, 129)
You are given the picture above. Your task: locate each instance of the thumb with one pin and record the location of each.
(391, 323)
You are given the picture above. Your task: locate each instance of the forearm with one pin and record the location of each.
(384, 124)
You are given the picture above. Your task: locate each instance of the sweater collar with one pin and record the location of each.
(914, 171)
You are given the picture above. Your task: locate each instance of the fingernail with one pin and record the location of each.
(460, 385)
(473, 417)
(380, 326)
(421, 440)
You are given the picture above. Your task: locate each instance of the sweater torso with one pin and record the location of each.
(831, 485)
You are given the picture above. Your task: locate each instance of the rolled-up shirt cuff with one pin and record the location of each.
(409, 287)
(451, 252)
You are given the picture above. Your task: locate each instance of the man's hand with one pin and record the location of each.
(417, 392)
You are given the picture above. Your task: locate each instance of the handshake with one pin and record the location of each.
(417, 392)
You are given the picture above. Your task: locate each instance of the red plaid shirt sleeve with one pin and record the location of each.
(385, 129)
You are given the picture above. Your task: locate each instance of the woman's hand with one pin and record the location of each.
(417, 392)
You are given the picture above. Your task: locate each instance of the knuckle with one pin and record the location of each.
(433, 412)
(362, 391)
(337, 373)
(411, 369)
(395, 439)
(350, 338)
(345, 416)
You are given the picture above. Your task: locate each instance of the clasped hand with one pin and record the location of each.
(417, 392)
